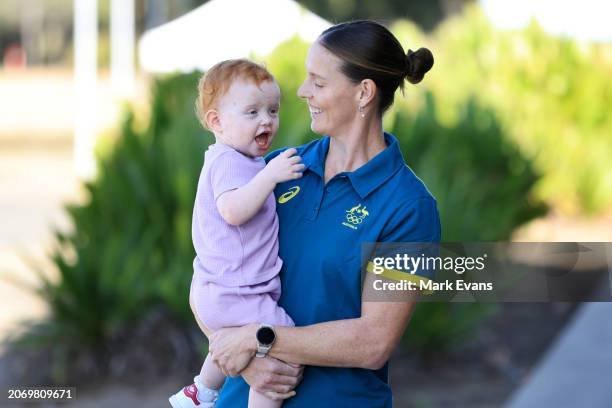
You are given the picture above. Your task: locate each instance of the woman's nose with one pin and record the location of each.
(301, 92)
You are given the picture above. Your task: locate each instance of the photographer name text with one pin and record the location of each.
(429, 285)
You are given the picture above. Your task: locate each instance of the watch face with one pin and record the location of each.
(265, 336)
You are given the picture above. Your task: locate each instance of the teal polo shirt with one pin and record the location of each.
(321, 230)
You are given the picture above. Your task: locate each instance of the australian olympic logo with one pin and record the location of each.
(355, 216)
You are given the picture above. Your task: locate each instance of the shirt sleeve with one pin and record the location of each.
(417, 221)
(230, 171)
(414, 231)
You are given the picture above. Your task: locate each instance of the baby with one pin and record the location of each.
(235, 227)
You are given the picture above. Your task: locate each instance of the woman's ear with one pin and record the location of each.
(367, 92)
(213, 122)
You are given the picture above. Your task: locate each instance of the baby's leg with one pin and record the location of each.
(210, 375)
(204, 391)
(257, 400)
(207, 332)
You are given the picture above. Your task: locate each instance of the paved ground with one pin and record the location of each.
(35, 182)
(577, 370)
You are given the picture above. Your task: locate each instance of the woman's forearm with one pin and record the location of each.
(341, 343)
(365, 342)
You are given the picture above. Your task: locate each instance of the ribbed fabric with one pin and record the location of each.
(231, 255)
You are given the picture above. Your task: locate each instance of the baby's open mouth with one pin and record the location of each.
(262, 139)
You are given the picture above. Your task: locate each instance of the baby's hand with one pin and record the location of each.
(286, 166)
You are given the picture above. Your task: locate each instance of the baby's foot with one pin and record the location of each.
(194, 396)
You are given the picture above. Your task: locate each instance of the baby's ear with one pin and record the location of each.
(213, 122)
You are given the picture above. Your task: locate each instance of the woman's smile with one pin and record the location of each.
(314, 111)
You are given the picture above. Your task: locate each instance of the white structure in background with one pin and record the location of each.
(122, 48)
(224, 29)
(85, 83)
(85, 73)
(584, 20)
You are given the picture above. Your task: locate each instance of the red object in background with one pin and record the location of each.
(14, 57)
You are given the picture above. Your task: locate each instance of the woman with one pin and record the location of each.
(355, 188)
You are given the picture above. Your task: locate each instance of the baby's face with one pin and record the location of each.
(249, 116)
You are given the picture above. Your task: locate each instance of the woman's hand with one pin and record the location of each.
(273, 378)
(233, 348)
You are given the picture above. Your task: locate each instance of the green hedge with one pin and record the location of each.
(552, 96)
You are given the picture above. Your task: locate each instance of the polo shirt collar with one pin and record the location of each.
(366, 178)
(314, 158)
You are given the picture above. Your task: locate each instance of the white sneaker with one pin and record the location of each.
(191, 397)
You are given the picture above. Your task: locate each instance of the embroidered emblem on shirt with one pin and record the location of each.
(355, 216)
(288, 195)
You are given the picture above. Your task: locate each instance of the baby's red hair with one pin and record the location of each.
(218, 80)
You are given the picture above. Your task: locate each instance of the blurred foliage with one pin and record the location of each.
(131, 246)
(482, 184)
(551, 95)
(497, 111)
(426, 13)
(480, 179)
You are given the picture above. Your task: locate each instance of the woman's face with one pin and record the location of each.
(333, 100)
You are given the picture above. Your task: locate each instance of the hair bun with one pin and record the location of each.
(417, 64)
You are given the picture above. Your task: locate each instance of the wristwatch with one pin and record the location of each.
(265, 337)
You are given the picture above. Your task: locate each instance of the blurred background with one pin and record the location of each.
(100, 152)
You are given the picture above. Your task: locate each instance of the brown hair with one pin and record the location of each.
(368, 50)
(218, 80)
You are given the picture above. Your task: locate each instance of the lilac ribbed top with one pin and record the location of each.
(231, 255)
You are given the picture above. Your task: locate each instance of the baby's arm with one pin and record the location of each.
(241, 204)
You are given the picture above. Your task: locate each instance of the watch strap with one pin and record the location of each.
(263, 349)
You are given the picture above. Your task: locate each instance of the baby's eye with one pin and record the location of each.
(318, 85)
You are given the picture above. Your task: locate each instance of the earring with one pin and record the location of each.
(361, 111)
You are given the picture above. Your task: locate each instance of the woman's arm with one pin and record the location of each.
(240, 205)
(273, 378)
(365, 342)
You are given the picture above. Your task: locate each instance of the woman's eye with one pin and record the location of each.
(252, 112)
(274, 111)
